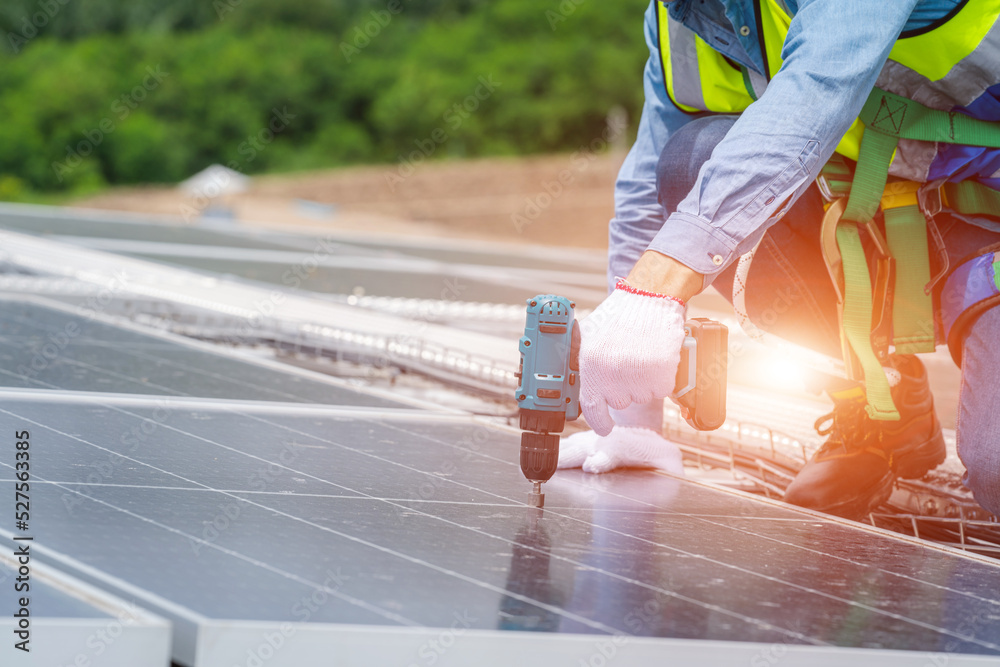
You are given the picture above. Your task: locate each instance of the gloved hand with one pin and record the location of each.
(629, 352)
(625, 447)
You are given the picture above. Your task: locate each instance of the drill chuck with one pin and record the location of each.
(539, 456)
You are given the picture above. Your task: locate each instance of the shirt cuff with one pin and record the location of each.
(696, 244)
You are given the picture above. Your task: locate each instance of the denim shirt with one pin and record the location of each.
(832, 55)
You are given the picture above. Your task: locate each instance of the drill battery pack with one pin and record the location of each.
(702, 373)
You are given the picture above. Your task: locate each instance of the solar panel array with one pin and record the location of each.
(274, 515)
(329, 264)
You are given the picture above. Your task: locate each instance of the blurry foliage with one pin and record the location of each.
(109, 91)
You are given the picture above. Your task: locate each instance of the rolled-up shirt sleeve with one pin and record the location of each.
(832, 56)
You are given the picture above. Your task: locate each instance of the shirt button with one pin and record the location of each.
(745, 30)
(717, 260)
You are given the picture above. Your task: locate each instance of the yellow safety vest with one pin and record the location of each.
(698, 78)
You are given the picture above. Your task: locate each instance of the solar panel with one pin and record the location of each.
(289, 259)
(415, 523)
(444, 285)
(281, 519)
(43, 346)
(105, 229)
(472, 252)
(91, 225)
(69, 622)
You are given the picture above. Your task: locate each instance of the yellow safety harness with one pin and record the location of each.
(896, 308)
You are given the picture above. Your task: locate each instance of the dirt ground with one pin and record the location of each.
(560, 199)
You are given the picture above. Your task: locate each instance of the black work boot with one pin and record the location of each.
(854, 470)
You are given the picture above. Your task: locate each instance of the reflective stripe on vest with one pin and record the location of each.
(950, 63)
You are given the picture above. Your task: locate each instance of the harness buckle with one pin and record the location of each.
(824, 188)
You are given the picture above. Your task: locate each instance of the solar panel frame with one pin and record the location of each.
(74, 623)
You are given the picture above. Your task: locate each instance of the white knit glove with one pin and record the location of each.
(629, 351)
(625, 447)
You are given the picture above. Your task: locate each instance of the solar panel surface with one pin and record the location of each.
(181, 245)
(113, 227)
(43, 346)
(408, 521)
(95, 227)
(443, 285)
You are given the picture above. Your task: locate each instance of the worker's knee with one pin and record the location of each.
(687, 149)
(978, 420)
(982, 475)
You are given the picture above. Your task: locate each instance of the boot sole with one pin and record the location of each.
(915, 461)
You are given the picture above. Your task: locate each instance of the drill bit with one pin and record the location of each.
(537, 498)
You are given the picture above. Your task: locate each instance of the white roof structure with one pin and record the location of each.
(214, 181)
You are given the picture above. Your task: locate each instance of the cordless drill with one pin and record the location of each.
(548, 392)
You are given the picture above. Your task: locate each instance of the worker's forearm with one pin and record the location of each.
(655, 272)
(832, 56)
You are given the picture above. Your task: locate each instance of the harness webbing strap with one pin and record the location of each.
(972, 198)
(874, 157)
(887, 119)
(857, 320)
(912, 307)
(903, 118)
